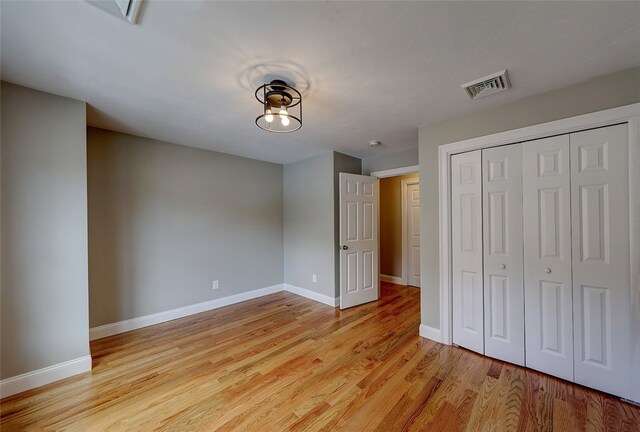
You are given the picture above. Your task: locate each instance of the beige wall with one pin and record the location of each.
(391, 224)
(166, 220)
(44, 311)
(609, 91)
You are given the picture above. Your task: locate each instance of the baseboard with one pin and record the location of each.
(331, 301)
(430, 333)
(160, 317)
(392, 279)
(40, 377)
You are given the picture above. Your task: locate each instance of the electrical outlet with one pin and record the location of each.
(215, 285)
(314, 278)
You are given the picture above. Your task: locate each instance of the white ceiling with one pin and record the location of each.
(187, 72)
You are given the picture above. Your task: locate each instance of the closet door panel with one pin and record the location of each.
(547, 256)
(601, 285)
(503, 249)
(466, 223)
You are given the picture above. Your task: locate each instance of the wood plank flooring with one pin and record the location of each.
(286, 363)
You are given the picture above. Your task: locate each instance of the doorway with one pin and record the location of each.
(400, 229)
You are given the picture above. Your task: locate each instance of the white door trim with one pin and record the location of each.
(396, 171)
(404, 184)
(626, 114)
(634, 238)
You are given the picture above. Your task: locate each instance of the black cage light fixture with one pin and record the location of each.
(282, 107)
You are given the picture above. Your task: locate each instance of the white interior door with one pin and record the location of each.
(413, 234)
(358, 240)
(466, 233)
(601, 281)
(547, 256)
(503, 249)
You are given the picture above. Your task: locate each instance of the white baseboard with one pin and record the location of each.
(430, 333)
(392, 279)
(331, 301)
(40, 377)
(27, 381)
(160, 317)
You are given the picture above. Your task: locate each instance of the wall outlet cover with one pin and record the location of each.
(215, 285)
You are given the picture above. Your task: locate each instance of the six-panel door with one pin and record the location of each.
(601, 285)
(466, 218)
(547, 256)
(502, 235)
(358, 240)
(413, 234)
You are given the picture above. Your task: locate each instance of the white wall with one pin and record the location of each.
(609, 91)
(45, 318)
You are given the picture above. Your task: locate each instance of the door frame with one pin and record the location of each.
(629, 114)
(394, 172)
(404, 188)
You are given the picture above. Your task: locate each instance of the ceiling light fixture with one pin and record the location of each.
(278, 98)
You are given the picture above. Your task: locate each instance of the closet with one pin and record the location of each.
(540, 255)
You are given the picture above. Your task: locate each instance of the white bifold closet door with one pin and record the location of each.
(502, 238)
(547, 256)
(541, 256)
(466, 220)
(601, 281)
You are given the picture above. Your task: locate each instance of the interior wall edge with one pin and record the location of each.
(44, 230)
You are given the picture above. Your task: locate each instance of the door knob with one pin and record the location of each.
(502, 266)
(345, 247)
(547, 270)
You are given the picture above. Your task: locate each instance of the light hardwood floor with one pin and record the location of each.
(283, 362)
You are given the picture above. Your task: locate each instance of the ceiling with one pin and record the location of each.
(187, 72)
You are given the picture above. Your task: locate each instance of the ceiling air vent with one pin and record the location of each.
(130, 9)
(488, 85)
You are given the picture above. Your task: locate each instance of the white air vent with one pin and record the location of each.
(130, 9)
(488, 85)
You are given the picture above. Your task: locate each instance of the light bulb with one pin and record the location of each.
(284, 115)
(268, 115)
